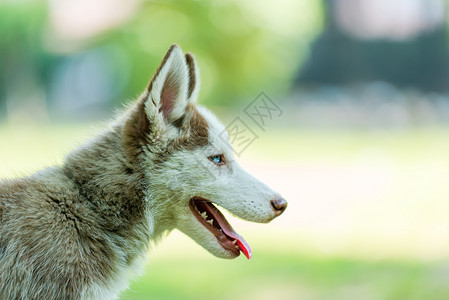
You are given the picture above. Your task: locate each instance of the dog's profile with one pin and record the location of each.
(80, 230)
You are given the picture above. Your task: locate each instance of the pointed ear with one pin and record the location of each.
(194, 78)
(168, 89)
(163, 102)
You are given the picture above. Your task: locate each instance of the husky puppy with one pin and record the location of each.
(80, 230)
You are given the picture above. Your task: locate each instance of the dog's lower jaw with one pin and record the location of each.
(225, 254)
(215, 222)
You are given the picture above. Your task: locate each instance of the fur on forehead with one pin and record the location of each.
(215, 126)
(218, 136)
(194, 129)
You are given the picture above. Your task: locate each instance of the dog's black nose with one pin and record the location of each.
(279, 205)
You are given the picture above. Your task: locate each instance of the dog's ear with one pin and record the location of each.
(169, 88)
(194, 78)
(162, 103)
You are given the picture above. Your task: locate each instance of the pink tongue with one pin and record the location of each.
(243, 245)
(245, 248)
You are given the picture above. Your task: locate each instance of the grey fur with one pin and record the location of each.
(79, 230)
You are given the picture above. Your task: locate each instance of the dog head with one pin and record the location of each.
(188, 162)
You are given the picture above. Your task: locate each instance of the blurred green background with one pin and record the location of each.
(360, 150)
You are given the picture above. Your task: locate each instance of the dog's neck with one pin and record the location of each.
(111, 186)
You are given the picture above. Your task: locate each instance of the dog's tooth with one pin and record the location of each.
(211, 222)
(234, 241)
(204, 215)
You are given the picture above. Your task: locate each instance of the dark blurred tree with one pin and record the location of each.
(339, 57)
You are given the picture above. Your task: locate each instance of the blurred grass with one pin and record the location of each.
(288, 276)
(25, 148)
(340, 146)
(393, 246)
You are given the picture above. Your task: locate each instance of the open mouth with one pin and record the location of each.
(211, 218)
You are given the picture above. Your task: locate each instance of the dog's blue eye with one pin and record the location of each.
(218, 159)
